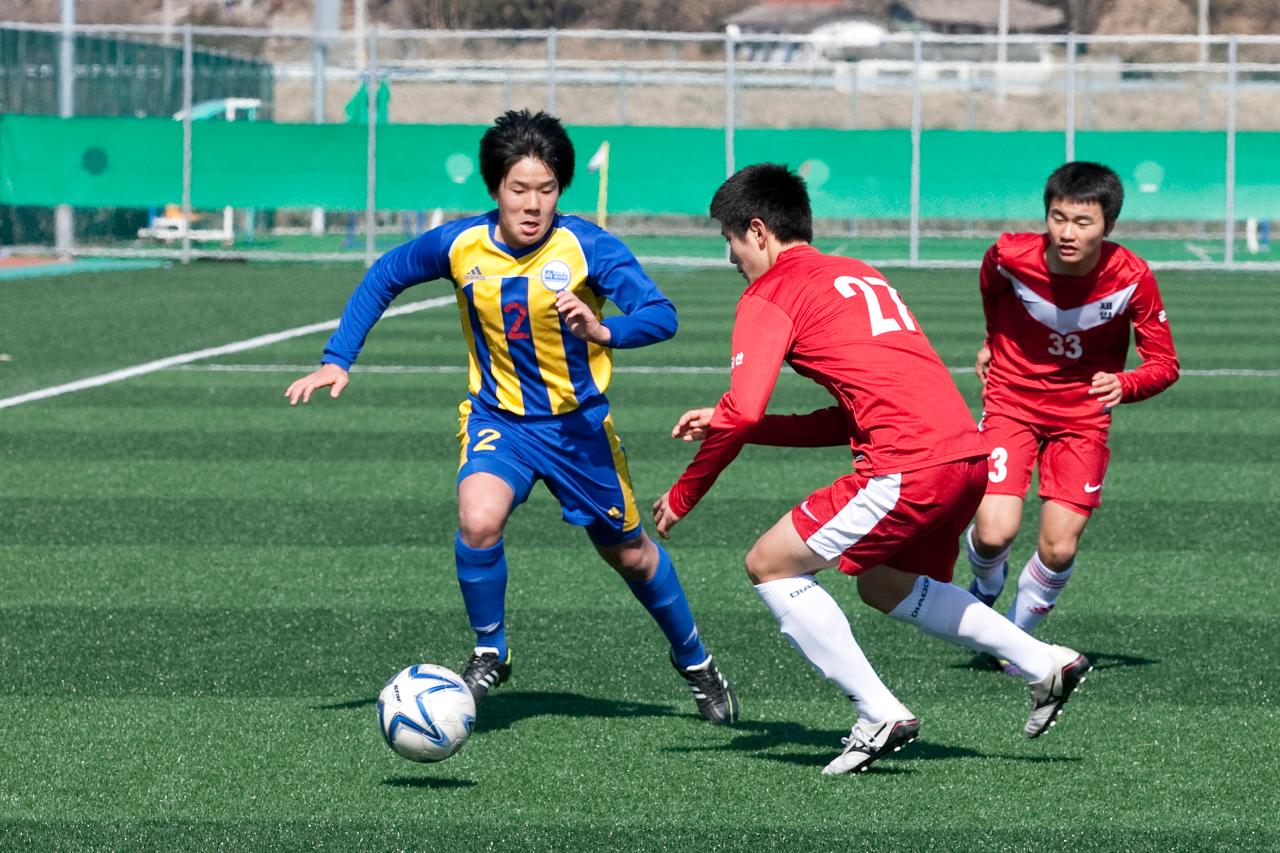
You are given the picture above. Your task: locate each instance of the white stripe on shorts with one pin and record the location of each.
(856, 518)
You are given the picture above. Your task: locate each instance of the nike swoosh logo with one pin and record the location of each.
(1091, 488)
(804, 507)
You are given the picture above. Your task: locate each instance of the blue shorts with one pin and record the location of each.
(578, 455)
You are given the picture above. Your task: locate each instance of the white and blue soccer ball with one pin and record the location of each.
(426, 712)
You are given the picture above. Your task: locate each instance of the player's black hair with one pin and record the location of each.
(1084, 182)
(769, 192)
(519, 134)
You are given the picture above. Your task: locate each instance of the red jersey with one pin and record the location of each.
(1050, 333)
(838, 322)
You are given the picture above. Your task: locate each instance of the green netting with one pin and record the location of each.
(122, 162)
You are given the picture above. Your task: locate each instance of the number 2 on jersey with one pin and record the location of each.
(869, 286)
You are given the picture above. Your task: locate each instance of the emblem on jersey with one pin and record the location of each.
(615, 513)
(473, 274)
(556, 276)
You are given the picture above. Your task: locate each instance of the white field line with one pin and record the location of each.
(1200, 253)
(211, 352)
(453, 368)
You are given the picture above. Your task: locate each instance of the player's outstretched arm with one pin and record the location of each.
(664, 517)
(329, 376)
(693, 424)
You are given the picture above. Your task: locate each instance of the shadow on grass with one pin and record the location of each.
(502, 709)
(427, 782)
(766, 738)
(348, 705)
(1100, 660)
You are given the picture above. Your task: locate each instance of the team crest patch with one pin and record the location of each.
(556, 276)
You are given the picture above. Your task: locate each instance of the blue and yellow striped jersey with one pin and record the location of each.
(522, 359)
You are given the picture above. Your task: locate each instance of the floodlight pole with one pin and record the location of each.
(64, 215)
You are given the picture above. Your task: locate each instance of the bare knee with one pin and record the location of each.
(993, 535)
(634, 560)
(762, 567)
(1057, 554)
(480, 526)
(884, 588)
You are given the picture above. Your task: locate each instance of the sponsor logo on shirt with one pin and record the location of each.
(1162, 316)
(556, 276)
(735, 361)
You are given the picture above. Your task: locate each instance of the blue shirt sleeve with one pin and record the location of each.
(422, 259)
(648, 316)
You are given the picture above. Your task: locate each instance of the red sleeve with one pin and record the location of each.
(992, 285)
(1159, 368)
(761, 337)
(823, 428)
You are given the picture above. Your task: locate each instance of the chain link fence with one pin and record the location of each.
(918, 148)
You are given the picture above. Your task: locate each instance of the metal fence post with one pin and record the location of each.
(371, 159)
(730, 96)
(551, 71)
(1071, 97)
(188, 87)
(1229, 249)
(917, 119)
(64, 229)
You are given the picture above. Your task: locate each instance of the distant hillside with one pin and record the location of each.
(1086, 16)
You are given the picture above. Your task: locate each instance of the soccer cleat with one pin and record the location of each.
(1050, 693)
(716, 700)
(485, 671)
(869, 742)
(989, 600)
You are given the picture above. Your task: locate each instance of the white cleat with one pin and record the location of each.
(1050, 693)
(869, 742)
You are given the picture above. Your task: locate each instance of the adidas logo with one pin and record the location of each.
(614, 512)
(473, 274)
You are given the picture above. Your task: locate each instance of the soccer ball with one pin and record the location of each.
(425, 712)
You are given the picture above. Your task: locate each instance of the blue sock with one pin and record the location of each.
(482, 575)
(664, 598)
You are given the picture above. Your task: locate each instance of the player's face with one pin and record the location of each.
(1076, 232)
(748, 254)
(527, 199)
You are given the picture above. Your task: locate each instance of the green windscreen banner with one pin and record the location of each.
(854, 174)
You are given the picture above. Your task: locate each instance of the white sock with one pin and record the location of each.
(987, 571)
(810, 618)
(1038, 589)
(952, 613)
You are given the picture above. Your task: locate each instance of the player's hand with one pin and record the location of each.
(581, 319)
(692, 425)
(1106, 387)
(664, 517)
(982, 363)
(329, 375)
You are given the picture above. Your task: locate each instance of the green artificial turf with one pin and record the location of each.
(202, 591)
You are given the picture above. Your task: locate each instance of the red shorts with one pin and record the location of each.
(910, 521)
(1073, 463)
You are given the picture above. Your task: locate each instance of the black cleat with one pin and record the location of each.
(716, 700)
(484, 671)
